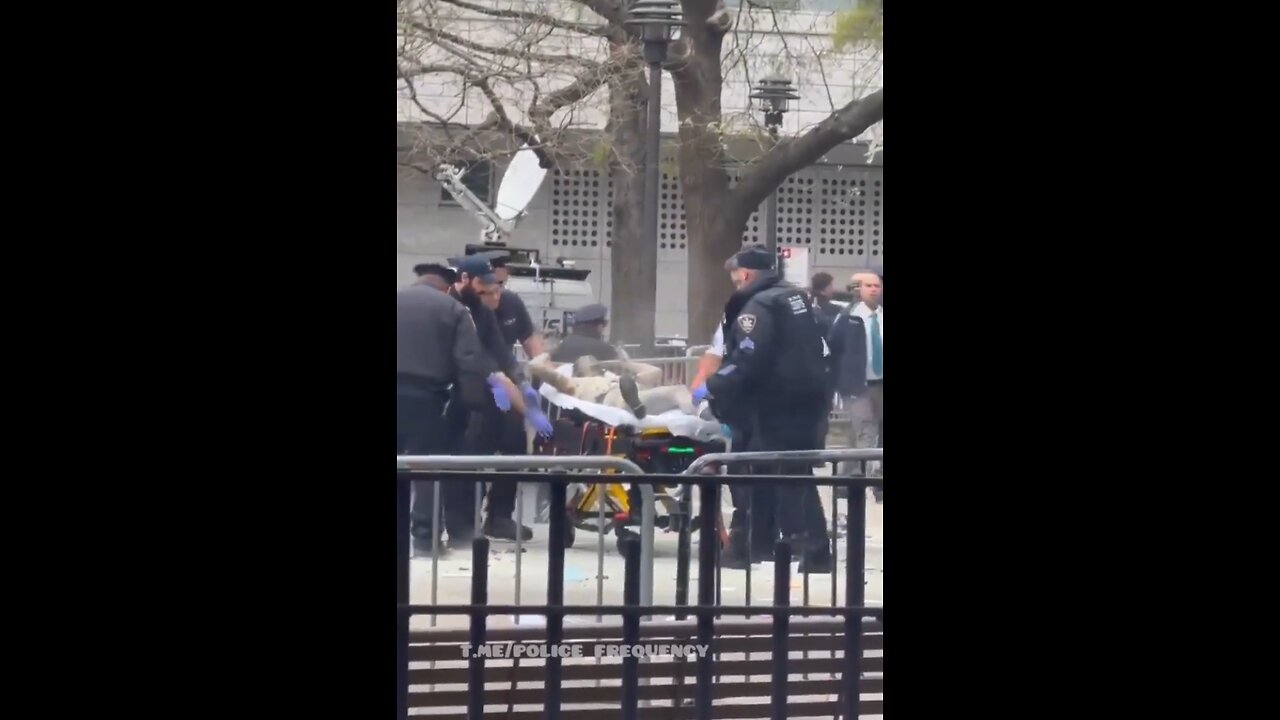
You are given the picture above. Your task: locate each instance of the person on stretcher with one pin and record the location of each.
(622, 384)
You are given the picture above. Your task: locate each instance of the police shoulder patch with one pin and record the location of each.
(747, 323)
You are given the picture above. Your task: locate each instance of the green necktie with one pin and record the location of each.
(877, 347)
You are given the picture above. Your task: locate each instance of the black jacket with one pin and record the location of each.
(575, 346)
(827, 312)
(848, 341)
(499, 356)
(437, 345)
(774, 355)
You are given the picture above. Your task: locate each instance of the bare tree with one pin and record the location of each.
(717, 213)
(551, 72)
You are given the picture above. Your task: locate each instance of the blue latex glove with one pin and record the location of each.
(699, 394)
(531, 396)
(728, 431)
(539, 421)
(499, 394)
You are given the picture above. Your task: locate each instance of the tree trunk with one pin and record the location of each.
(634, 271)
(714, 227)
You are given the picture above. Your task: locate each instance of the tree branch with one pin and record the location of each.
(500, 51)
(790, 156)
(610, 10)
(533, 17)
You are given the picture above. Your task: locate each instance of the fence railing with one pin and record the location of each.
(708, 611)
(506, 463)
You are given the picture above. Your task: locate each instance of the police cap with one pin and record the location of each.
(436, 269)
(754, 258)
(591, 314)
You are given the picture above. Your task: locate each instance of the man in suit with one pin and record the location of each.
(860, 380)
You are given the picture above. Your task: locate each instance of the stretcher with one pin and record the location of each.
(664, 443)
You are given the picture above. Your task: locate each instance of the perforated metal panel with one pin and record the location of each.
(581, 213)
(673, 236)
(851, 227)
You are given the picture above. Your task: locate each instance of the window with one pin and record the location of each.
(478, 178)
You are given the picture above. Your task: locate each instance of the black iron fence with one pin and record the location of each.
(788, 630)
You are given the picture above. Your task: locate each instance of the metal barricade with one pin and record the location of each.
(675, 370)
(509, 463)
(833, 456)
(855, 630)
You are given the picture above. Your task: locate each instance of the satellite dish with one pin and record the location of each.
(520, 183)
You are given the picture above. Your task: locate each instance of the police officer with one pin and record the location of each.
(586, 337)
(436, 346)
(475, 433)
(773, 381)
(435, 275)
(513, 317)
(517, 329)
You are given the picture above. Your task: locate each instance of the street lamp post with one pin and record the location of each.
(775, 92)
(656, 22)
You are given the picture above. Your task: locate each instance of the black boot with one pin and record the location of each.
(734, 556)
(422, 547)
(816, 563)
(505, 529)
(631, 394)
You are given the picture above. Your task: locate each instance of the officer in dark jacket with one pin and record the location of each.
(586, 337)
(476, 432)
(436, 347)
(507, 428)
(774, 380)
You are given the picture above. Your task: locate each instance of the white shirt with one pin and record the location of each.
(717, 343)
(864, 312)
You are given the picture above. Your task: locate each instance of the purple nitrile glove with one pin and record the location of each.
(539, 421)
(530, 395)
(699, 394)
(500, 397)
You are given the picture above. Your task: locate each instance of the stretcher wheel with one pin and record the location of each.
(570, 532)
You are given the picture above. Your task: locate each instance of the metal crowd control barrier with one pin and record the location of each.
(858, 628)
(675, 370)
(475, 463)
(856, 508)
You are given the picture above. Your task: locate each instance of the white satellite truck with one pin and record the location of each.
(551, 293)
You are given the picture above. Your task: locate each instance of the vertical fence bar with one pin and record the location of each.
(855, 595)
(519, 513)
(601, 491)
(435, 550)
(781, 627)
(631, 629)
(555, 597)
(835, 541)
(708, 543)
(479, 600)
(403, 545)
(683, 550)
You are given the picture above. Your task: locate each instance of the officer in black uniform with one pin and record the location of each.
(509, 433)
(436, 346)
(773, 380)
(586, 337)
(476, 433)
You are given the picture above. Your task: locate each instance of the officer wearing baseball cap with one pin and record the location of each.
(773, 383)
(476, 433)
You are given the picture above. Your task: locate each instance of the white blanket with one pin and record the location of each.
(674, 421)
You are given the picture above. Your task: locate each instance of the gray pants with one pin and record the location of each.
(866, 413)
